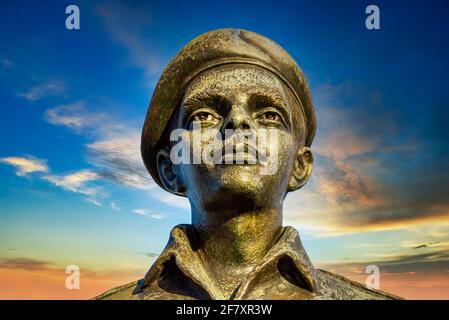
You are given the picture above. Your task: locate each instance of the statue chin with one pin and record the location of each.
(240, 185)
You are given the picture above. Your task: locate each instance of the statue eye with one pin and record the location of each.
(204, 118)
(270, 118)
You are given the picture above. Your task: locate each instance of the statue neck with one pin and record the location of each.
(240, 239)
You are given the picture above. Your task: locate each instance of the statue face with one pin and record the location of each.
(238, 97)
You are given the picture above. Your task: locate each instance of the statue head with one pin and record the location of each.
(246, 92)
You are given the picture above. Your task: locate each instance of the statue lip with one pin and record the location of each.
(242, 153)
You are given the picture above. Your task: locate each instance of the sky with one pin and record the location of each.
(74, 190)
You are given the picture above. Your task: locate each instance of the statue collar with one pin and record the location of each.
(285, 269)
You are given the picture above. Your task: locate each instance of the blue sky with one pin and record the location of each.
(73, 189)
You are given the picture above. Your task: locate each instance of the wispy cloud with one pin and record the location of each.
(24, 263)
(94, 202)
(173, 200)
(142, 212)
(126, 26)
(425, 245)
(114, 206)
(26, 165)
(43, 90)
(77, 117)
(78, 182)
(149, 213)
(115, 151)
(6, 62)
(151, 255)
(74, 182)
(434, 261)
(71, 115)
(118, 159)
(407, 274)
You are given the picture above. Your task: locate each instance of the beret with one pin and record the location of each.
(209, 50)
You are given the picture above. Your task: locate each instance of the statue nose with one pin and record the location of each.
(237, 119)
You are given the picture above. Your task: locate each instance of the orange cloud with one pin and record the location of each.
(23, 278)
(25, 284)
(422, 285)
(354, 189)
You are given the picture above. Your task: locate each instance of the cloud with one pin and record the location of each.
(173, 200)
(76, 117)
(408, 274)
(366, 175)
(114, 206)
(425, 245)
(141, 212)
(126, 26)
(157, 216)
(118, 159)
(77, 182)
(151, 255)
(71, 116)
(94, 202)
(434, 261)
(149, 213)
(43, 90)
(26, 165)
(29, 278)
(51, 267)
(74, 182)
(24, 263)
(115, 151)
(6, 62)
(419, 284)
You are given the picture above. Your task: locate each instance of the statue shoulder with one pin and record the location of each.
(334, 286)
(135, 291)
(125, 292)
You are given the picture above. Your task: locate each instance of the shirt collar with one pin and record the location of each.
(189, 259)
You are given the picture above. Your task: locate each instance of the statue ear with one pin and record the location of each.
(168, 175)
(302, 169)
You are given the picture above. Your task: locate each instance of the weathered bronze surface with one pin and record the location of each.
(236, 246)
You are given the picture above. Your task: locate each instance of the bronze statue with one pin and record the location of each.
(236, 246)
